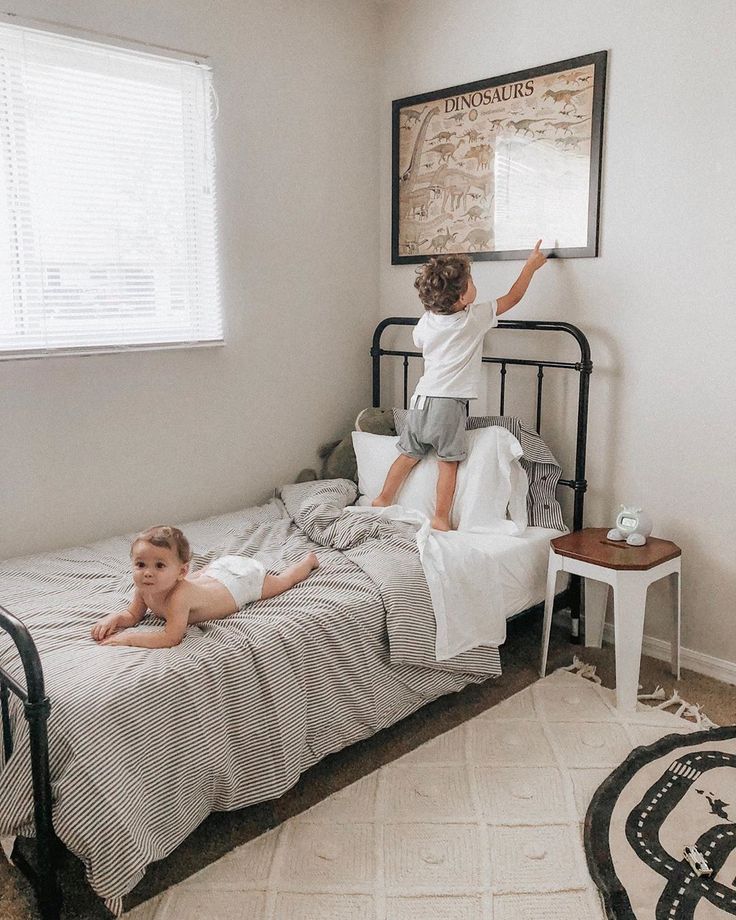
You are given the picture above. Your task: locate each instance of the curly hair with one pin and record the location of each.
(170, 537)
(442, 281)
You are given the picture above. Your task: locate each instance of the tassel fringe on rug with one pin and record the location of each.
(689, 711)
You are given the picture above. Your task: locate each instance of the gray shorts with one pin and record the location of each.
(439, 424)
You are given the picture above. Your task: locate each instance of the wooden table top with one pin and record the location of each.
(590, 545)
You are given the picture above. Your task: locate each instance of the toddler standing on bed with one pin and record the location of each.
(450, 335)
(163, 585)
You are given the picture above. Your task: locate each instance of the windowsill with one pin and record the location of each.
(88, 351)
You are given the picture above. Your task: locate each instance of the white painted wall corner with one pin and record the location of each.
(718, 668)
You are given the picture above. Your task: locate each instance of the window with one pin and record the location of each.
(107, 202)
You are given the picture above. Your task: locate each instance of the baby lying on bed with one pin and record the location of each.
(160, 557)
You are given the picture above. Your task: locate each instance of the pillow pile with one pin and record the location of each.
(542, 470)
(490, 494)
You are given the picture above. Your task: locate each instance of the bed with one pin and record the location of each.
(119, 753)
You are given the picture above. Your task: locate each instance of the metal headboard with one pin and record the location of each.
(583, 367)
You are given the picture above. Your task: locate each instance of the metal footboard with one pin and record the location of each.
(44, 875)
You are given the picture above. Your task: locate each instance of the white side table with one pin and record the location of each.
(629, 570)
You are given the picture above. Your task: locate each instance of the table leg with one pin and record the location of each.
(553, 567)
(677, 619)
(596, 598)
(629, 607)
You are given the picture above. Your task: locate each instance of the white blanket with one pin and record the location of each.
(469, 593)
(466, 589)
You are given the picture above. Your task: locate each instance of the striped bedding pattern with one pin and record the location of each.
(145, 743)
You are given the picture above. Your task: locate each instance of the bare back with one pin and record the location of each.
(205, 597)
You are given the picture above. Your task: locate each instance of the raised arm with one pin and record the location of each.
(518, 288)
(131, 616)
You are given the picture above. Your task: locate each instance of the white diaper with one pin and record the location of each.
(243, 577)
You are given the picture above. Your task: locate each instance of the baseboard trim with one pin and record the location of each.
(718, 668)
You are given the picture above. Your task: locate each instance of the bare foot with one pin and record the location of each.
(439, 523)
(380, 502)
(301, 570)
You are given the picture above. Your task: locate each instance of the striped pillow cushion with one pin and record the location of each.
(540, 466)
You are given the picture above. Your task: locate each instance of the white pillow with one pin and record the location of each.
(375, 453)
(491, 488)
(490, 481)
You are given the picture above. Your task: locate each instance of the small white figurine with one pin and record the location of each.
(632, 525)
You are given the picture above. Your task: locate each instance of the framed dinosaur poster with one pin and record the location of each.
(489, 167)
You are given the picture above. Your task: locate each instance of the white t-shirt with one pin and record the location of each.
(452, 346)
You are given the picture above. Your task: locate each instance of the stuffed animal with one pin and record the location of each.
(338, 457)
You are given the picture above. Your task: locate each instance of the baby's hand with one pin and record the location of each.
(120, 639)
(536, 259)
(106, 627)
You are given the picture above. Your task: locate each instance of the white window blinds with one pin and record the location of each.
(107, 199)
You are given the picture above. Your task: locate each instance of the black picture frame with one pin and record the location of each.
(508, 180)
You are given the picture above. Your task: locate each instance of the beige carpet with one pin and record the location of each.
(482, 822)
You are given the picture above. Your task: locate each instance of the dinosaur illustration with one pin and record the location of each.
(570, 142)
(478, 239)
(417, 201)
(412, 115)
(456, 190)
(439, 242)
(484, 184)
(523, 125)
(481, 154)
(564, 126)
(412, 246)
(565, 96)
(474, 213)
(443, 136)
(444, 151)
(577, 76)
(409, 176)
(472, 135)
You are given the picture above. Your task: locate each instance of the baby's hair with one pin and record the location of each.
(170, 537)
(442, 281)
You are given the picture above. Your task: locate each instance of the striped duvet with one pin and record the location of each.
(145, 743)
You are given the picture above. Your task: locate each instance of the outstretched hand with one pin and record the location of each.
(106, 627)
(518, 288)
(117, 639)
(536, 258)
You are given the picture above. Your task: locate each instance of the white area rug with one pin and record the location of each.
(481, 823)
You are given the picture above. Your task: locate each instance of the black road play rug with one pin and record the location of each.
(678, 792)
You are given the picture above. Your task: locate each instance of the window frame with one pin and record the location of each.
(215, 310)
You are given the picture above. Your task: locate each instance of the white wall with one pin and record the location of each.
(100, 445)
(657, 305)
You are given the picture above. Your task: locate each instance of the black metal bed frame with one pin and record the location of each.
(44, 876)
(573, 597)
